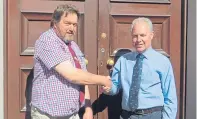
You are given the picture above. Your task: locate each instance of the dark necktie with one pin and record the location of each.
(136, 81)
(77, 65)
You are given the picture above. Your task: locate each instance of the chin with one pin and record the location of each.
(140, 50)
(69, 38)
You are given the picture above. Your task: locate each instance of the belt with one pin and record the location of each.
(143, 111)
(46, 114)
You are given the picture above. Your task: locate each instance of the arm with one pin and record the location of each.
(169, 93)
(51, 53)
(79, 76)
(88, 110)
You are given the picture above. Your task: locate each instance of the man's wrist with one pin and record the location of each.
(87, 103)
(105, 81)
(88, 109)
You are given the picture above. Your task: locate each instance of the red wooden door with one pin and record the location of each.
(115, 18)
(26, 20)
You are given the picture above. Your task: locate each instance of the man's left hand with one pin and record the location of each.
(88, 113)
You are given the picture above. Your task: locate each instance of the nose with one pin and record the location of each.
(138, 38)
(71, 27)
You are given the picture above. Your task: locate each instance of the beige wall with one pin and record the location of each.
(1, 61)
(191, 62)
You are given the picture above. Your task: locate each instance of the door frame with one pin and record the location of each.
(2, 57)
(190, 107)
(5, 28)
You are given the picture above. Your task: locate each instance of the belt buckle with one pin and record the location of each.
(139, 112)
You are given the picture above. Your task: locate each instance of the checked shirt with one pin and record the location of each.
(52, 93)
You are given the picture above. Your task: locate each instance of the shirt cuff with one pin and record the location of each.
(113, 90)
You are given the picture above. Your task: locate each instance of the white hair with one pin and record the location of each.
(142, 19)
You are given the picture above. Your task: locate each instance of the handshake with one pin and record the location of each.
(106, 85)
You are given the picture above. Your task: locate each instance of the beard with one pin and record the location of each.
(69, 37)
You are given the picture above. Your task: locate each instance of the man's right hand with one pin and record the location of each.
(107, 82)
(106, 89)
(107, 86)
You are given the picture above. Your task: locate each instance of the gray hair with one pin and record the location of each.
(61, 10)
(142, 19)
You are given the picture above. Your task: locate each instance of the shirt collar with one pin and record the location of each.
(147, 53)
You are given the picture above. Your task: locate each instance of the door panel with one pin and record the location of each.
(121, 37)
(115, 18)
(27, 19)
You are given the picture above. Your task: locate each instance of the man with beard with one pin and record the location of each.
(60, 71)
(145, 77)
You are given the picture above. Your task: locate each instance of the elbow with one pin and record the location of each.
(74, 81)
(72, 76)
(78, 80)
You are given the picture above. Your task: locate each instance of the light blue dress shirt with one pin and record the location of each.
(157, 84)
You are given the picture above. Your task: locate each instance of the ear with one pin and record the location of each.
(55, 26)
(151, 35)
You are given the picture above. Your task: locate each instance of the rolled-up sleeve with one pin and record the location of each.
(50, 52)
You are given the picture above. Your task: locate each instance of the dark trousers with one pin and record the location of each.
(112, 103)
(153, 115)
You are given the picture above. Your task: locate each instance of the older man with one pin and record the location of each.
(60, 71)
(145, 77)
